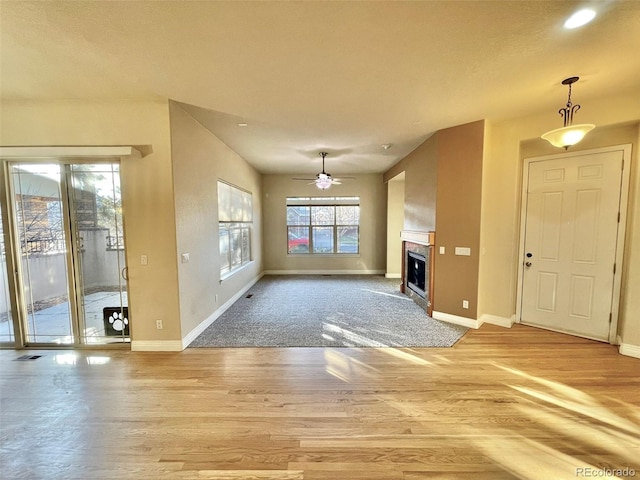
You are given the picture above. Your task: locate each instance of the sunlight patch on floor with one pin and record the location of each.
(530, 460)
(399, 297)
(346, 368)
(597, 437)
(406, 356)
(351, 339)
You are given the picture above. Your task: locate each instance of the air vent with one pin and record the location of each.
(24, 358)
(249, 296)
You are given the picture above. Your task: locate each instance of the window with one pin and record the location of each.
(321, 225)
(235, 217)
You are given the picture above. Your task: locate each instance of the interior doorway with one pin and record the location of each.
(395, 224)
(67, 232)
(574, 211)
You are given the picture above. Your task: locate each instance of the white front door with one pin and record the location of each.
(570, 238)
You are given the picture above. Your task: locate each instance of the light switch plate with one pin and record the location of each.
(144, 260)
(466, 251)
(185, 258)
(441, 250)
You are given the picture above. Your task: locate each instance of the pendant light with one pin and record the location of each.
(569, 134)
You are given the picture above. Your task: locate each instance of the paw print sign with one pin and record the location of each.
(116, 321)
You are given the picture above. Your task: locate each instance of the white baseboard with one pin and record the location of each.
(156, 346)
(629, 350)
(392, 275)
(324, 272)
(193, 334)
(465, 322)
(496, 320)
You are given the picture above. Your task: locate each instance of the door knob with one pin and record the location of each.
(528, 264)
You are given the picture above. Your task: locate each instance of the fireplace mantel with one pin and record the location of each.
(415, 236)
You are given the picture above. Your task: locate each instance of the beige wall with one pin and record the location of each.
(147, 191)
(506, 144)
(421, 168)
(395, 224)
(458, 198)
(630, 303)
(373, 234)
(200, 159)
(443, 181)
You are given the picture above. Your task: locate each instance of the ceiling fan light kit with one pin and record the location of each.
(569, 134)
(323, 179)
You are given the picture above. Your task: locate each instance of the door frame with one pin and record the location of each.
(84, 154)
(622, 226)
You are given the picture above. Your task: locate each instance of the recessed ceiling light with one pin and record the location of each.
(243, 124)
(580, 18)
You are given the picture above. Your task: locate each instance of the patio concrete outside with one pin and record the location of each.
(52, 324)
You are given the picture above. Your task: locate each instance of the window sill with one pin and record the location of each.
(231, 273)
(324, 255)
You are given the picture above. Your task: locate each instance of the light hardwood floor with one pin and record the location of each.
(501, 404)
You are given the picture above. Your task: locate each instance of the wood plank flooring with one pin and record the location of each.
(501, 404)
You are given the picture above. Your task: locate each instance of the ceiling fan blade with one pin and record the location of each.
(335, 182)
(307, 179)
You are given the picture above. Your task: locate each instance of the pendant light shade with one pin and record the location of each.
(569, 134)
(566, 136)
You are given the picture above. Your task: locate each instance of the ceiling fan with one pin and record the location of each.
(323, 179)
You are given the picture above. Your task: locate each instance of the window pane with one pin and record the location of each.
(224, 202)
(224, 248)
(247, 207)
(298, 215)
(6, 316)
(236, 246)
(322, 239)
(348, 215)
(298, 240)
(347, 239)
(246, 245)
(322, 215)
(236, 205)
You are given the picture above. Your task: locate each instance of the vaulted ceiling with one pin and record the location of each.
(307, 76)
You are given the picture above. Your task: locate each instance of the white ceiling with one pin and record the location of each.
(307, 76)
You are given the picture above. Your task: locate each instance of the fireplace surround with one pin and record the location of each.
(417, 267)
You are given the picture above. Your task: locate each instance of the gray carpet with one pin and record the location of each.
(327, 311)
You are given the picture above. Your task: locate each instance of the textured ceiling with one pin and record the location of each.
(344, 77)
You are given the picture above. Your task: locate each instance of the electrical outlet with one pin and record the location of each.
(465, 303)
(216, 297)
(144, 260)
(159, 324)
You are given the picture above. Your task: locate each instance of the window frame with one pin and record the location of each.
(311, 227)
(235, 217)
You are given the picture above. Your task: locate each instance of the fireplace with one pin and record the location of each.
(416, 273)
(417, 267)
